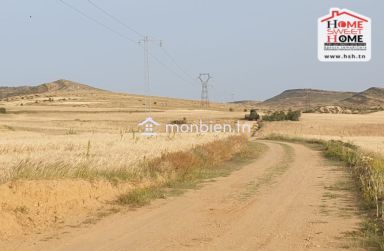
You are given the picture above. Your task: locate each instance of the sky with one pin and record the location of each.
(252, 49)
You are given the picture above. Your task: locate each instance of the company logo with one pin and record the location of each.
(149, 127)
(344, 36)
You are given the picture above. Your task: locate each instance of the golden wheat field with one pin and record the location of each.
(49, 180)
(99, 151)
(60, 159)
(103, 140)
(64, 157)
(365, 130)
(71, 128)
(74, 129)
(101, 128)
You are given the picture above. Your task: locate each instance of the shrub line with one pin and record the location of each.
(367, 169)
(183, 170)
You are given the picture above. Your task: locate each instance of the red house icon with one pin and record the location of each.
(336, 13)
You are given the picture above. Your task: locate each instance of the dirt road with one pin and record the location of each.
(288, 199)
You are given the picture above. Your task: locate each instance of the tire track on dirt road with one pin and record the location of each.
(276, 202)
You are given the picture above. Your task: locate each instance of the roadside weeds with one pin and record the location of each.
(367, 169)
(37, 199)
(188, 170)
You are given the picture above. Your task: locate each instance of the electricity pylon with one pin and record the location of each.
(204, 78)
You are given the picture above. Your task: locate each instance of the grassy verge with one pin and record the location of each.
(368, 172)
(87, 168)
(185, 170)
(75, 191)
(170, 173)
(26, 170)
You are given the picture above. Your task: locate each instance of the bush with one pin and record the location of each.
(281, 115)
(3, 110)
(253, 115)
(293, 115)
(179, 121)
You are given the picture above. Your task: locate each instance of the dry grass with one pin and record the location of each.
(87, 155)
(70, 153)
(189, 167)
(95, 99)
(42, 195)
(83, 150)
(365, 130)
(89, 134)
(368, 171)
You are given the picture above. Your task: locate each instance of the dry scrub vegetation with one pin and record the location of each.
(368, 170)
(186, 168)
(62, 182)
(70, 155)
(86, 156)
(66, 155)
(365, 130)
(355, 139)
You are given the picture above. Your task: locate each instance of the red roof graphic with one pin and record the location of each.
(336, 13)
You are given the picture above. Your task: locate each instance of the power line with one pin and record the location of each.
(307, 99)
(221, 89)
(82, 13)
(115, 18)
(145, 42)
(175, 63)
(142, 35)
(96, 21)
(170, 70)
(139, 34)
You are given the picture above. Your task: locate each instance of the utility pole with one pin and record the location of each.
(147, 75)
(307, 99)
(232, 97)
(204, 78)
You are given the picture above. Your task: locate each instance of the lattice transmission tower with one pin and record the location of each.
(204, 78)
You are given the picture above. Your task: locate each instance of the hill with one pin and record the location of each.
(299, 98)
(66, 95)
(61, 85)
(371, 97)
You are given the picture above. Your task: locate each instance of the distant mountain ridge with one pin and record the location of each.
(371, 97)
(300, 98)
(61, 85)
(293, 98)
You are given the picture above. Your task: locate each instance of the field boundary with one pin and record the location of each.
(34, 202)
(367, 170)
(201, 167)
